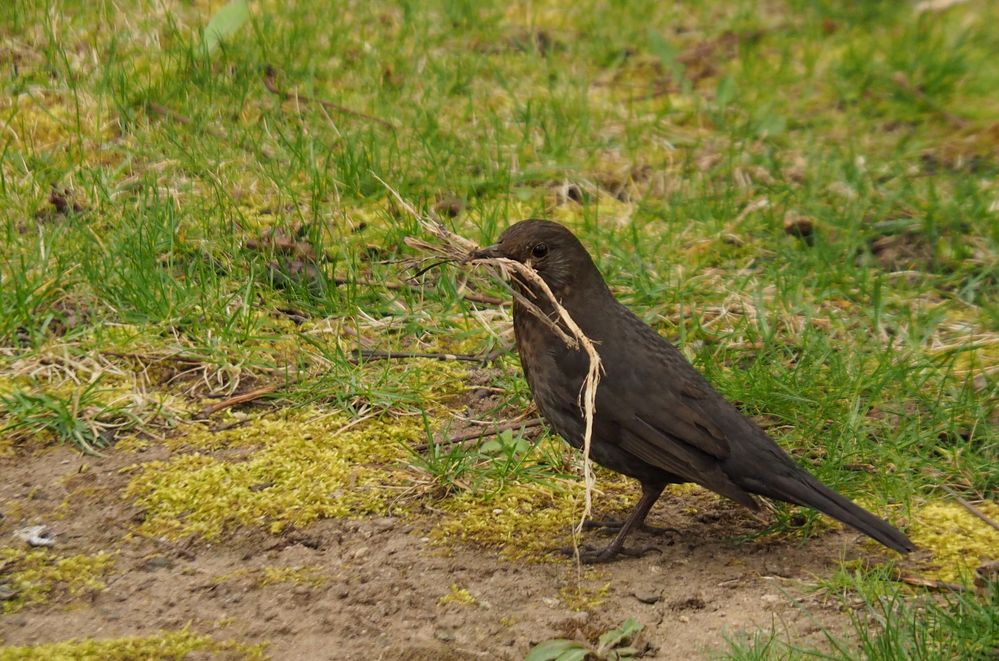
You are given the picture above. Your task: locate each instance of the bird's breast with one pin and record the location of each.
(554, 372)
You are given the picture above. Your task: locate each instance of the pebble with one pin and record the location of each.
(360, 552)
(647, 597)
(156, 562)
(35, 536)
(384, 523)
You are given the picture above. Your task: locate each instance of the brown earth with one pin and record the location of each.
(373, 588)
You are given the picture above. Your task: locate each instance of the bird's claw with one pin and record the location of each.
(614, 524)
(591, 556)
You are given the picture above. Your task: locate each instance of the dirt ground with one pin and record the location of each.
(376, 588)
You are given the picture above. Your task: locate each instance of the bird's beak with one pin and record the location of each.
(485, 253)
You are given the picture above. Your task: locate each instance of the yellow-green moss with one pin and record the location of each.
(300, 468)
(527, 520)
(166, 645)
(294, 575)
(457, 595)
(41, 123)
(582, 597)
(958, 540)
(38, 576)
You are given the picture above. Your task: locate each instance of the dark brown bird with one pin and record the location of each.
(656, 418)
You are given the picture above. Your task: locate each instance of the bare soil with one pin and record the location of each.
(380, 581)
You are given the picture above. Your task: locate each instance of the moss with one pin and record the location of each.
(293, 575)
(572, 214)
(297, 469)
(527, 520)
(457, 595)
(958, 540)
(584, 598)
(165, 645)
(131, 444)
(39, 576)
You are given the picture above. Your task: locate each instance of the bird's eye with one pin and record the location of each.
(539, 250)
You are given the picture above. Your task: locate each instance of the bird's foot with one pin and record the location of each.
(592, 556)
(615, 524)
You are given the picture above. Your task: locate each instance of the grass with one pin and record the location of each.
(889, 623)
(802, 194)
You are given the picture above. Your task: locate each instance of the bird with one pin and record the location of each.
(656, 418)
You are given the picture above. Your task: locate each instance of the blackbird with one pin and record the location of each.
(656, 418)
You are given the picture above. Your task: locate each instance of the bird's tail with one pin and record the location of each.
(801, 488)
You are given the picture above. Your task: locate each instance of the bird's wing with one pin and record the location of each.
(672, 443)
(669, 404)
(665, 413)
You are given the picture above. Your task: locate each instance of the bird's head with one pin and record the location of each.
(551, 250)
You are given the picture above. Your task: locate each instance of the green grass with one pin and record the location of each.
(888, 623)
(145, 181)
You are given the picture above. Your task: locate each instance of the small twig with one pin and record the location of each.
(656, 92)
(903, 82)
(271, 84)
(398, 286)
(935, 5)
(171, 114)
(928, 583)
(153, 358)
(475, 435)
(239, 399)
(971, 508)
(375, 354)
(484, 299)
(231, 425)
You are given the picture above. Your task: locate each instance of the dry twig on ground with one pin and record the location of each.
(270, 82)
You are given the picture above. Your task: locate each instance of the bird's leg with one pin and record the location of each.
(650, 494)
(617, 524)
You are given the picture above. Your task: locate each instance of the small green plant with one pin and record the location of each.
(616, 644)
(82, 417)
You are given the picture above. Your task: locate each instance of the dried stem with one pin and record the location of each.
(376, 354)
(971, 508)
(239, 399)
(482, 433)
(398, 286)
(270, 83)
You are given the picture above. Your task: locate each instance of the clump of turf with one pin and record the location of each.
(457, 595)
(39, 576)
